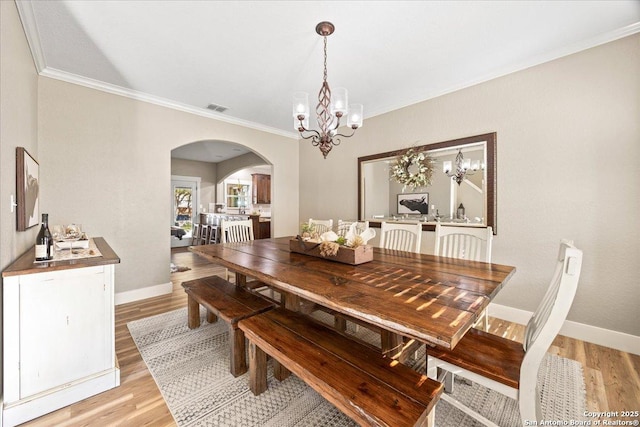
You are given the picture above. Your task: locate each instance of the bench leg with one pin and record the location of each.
(193, 309)
(211, 317)
(257, 369)
(340, 323)
(280, 372)
(237, 360)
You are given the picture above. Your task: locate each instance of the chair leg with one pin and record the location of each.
(449, 399)
(486, 319)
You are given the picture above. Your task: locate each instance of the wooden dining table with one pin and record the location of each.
(431, 299)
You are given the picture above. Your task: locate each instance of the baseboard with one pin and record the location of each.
(143, 293)
(593, 334)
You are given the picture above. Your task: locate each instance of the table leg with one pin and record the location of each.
(241, 280)
(291, 301)
(391, 343)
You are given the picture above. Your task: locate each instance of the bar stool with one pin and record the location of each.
(204, 233)
(214, 229)
(195, 234)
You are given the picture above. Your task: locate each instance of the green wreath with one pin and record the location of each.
(413, 169)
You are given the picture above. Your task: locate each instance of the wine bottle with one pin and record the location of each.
(44, 241)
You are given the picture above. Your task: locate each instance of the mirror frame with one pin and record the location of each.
(490, 167)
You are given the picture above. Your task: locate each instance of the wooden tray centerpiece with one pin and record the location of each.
(345, 254)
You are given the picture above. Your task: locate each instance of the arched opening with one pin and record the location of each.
(213, 178)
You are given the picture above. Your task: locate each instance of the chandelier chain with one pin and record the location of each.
(325, 59)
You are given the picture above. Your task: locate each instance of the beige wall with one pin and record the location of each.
(19, 126)
(568, 151)
(106, 164)
(207, 173)
(235, 164)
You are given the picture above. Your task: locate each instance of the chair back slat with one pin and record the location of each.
(236, 231)
(470, 243)
(401, 237)
(545, 325)
(321, 225)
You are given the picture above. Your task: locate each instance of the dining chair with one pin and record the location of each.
(343, 227)
(401, 237)
(321, 225)
(507, 366)
(234, 230)
(470, 243)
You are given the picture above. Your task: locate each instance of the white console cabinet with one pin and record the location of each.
(58, 333)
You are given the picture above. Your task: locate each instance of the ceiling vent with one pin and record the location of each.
(218, 108)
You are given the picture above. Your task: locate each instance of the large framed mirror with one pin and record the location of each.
(467, 199)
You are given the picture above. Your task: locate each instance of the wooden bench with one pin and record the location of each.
(356, 378)
(231, 303)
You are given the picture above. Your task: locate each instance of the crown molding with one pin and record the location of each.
(567, 50)
(27, 16)
(25, 11)
(152, 99)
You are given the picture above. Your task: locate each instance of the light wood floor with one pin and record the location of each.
(612, 377)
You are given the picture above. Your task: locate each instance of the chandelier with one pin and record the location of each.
(464, 167)
(332, 106)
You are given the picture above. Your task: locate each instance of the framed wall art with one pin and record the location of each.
(28, 189)
(413, 203)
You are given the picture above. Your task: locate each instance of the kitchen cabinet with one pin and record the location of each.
(261, 227)
(58, 341)
(261, 189)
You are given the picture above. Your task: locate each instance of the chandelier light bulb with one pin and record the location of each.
(300, 105)
(446, 167)
(354, 120)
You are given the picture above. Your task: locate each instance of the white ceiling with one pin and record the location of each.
(250, 56)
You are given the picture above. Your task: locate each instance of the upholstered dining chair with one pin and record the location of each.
(321, 225)
(470, 243)
(343, 226)
(507, 366)
(401, 237)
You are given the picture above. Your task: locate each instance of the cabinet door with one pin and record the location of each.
(261, 189)
(65, 322)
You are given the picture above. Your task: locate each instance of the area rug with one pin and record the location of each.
(191, 369)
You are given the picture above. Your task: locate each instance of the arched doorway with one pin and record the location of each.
(203, 172)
